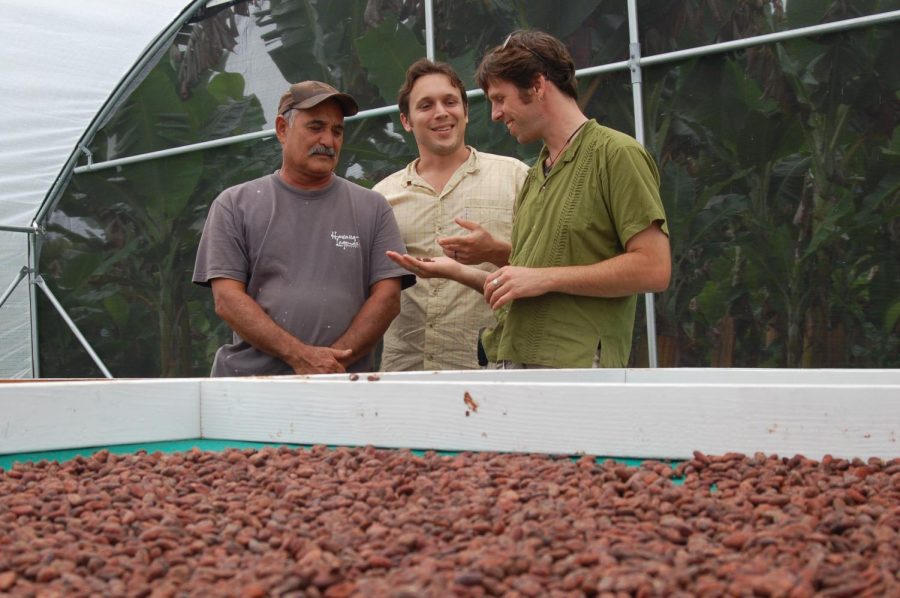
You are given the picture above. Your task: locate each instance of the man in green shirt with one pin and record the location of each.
(589, 232)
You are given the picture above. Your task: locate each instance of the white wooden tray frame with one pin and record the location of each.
(662, 413)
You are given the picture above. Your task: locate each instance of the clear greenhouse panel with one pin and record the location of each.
(778, 166)
(672, 25)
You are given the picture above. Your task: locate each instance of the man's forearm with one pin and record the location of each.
(623, 275)
(500, 254)
(442, 267)
(253, 324)
(471, 277)
(371, 321)
(645, 267)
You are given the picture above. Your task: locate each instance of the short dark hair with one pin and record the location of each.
(422, 67)
(525, 55)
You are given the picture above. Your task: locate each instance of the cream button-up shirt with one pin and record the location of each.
(439, 320)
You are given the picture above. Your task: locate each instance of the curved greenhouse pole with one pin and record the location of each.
(125, 86)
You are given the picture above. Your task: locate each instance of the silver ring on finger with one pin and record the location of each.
(496, 282)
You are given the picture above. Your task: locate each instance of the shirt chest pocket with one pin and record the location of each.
(497, 220)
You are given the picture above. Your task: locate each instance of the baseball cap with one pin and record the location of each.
(311, 93)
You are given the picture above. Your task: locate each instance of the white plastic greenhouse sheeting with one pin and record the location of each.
(15, 325)
(59, 63)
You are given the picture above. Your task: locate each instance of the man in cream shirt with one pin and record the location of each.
(453, 201)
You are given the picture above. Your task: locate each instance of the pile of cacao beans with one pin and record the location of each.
(369, 522)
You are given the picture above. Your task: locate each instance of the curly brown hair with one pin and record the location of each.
(525, 55)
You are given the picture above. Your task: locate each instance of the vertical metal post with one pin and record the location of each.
(429, 29)
(634, 65)
(33, 255)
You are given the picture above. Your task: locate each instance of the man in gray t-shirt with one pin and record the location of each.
(296, 259)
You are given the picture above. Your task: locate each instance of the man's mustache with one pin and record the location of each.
(321, 150)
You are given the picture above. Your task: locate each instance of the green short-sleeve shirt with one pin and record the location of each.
(603, 191)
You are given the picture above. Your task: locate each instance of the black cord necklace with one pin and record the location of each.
(552, 161)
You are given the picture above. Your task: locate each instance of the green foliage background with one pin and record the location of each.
(780, 166)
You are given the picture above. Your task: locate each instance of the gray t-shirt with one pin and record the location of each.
(308, 259)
